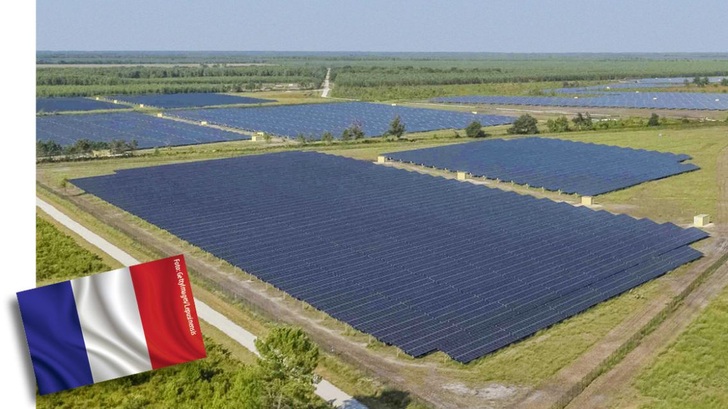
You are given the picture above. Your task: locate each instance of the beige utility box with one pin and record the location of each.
(462, 176)
(701, 220)
(381, 159)
(160, 115)
(587, 200)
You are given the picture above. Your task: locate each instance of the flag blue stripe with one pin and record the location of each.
(55, 340)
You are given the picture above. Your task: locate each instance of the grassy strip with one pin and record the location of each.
(620, 353)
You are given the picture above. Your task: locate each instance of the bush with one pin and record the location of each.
(524, 125)
(474, 130)
(654, 120)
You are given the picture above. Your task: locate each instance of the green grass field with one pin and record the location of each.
(693, 371)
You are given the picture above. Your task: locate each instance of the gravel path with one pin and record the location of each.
(325, 92)
(324, 389)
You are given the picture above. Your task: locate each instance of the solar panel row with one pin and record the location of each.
(647, 100)
(636, 83)
(188, 100)
(571, 167)
(312, 120)
(73, 104)
(147, 130)
(419, 262)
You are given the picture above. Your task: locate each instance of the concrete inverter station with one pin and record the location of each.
(420, 262)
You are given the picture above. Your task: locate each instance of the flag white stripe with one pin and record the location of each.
(111, 325)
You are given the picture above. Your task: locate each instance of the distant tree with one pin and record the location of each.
(724, 82)
(82, 146)
(701, 82)
(583, 122)
(396, 128)
(475, 130)
(686, 82)
(47, 148)
(524, 125)
(654, 120)
(117, 147)
(64, 183)
(301, 138)
(287, 362)
(266, 137)
(560, 124)
(327, 137)
(354, 131)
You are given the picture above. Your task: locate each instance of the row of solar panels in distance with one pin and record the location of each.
(644, 83)
(554, 164)
(419, 262)
(147, 130)
(654, 100)
(165, 101)
(313, 120)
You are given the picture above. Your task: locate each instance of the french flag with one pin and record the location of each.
(109, 325)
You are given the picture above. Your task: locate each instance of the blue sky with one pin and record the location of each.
(380, 25)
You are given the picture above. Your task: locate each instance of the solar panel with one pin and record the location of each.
(73, 104)
(188, 100)
(554, 164)
(647, 100)
(419, 262)
(147, 130)
(312, 120)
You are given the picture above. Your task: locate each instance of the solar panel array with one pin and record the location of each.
(554, 164)
(646, 100)
(188, 100)
(312, 120)
(73, 104)
(420, 262)
(635, 83)
(148, 131)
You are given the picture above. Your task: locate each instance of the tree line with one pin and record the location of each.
(84, 147)
(86, 81)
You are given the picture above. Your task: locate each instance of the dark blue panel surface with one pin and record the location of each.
(420, 262)
(636, 99)
(189, 100)
(554, 164)
(73, 104)
(147, 130)
(312, 120)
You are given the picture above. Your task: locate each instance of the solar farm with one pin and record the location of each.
(313, 120)
(49, 105)
(641, 100)
(556, 165)
(443, 268)
(188, 100)
(147, 130)
(448, 264)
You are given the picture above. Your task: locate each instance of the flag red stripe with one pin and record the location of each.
(167, 310)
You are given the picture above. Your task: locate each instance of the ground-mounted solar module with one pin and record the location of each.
(553, 164)
(147, 130)
(636, 99)
(187, 100)
(642, 83)
(420, 262)
(66, 104)
(313, 120)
